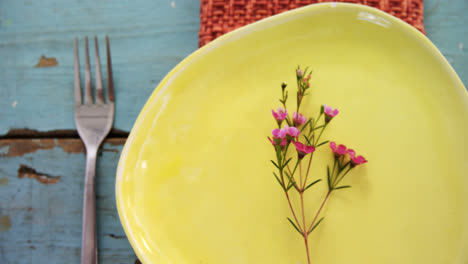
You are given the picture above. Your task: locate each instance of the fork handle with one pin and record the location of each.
(88, 239)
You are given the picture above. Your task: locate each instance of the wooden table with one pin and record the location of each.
(42, 159)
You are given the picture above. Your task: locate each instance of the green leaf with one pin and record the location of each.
(308, 140)
(310, 185)
(307, 123)
(343, 187)
(315, 128)
(315, 225)
(274, 163)
(289, 177)
(276, 176)
(325, 142)
(286, 163)
(291, 185)
(328, 177)
(295, 227)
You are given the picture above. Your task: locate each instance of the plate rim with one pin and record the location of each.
(232, 36)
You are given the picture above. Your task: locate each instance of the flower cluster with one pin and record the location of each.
(345, 160)
(287, 134)
(329, 112)
(305, 135)
(279, 115)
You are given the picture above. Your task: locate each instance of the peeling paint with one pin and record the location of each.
(110, 150)
(28, 172)
(71, 146)
(31, 133)
(58, 133)
(21, 147)
(46, 62)
(5, 223)
(116, 236)
(4, 150)
(14, 104)
(173, 4)
(115, 141)
(18, 148)
(4, 181)
(460, 46)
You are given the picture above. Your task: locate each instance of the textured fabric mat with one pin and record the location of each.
(218, 17)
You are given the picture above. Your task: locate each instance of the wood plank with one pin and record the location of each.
(40, 221)
(148, 38)
(446, 25)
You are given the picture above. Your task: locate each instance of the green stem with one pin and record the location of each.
(312, 127)
(340, 169)
(308, 169)
(300, 174)
(286, 151)
(294, 171)
(338, 181)
(333, 171)
(291, 177)
(318, 138)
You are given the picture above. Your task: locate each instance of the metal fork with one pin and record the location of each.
(93, 122)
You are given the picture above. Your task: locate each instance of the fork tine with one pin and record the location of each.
(99, 91)
(77, 75)
(110, 81)
(88, 91)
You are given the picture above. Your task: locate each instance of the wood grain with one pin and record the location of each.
(41, 223)
(148, 38)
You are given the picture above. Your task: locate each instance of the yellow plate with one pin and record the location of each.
(195, 184)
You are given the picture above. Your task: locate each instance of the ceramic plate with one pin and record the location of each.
(195, 183)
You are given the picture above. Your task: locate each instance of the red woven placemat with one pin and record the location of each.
(218, 17)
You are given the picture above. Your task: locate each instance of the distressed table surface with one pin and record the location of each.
(41, 159)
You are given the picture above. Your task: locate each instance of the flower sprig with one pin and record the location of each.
(345, 160)
(304, 134)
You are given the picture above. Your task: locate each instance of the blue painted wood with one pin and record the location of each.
(148, 38)
(46, 219)
(42, 223)
(447, 26)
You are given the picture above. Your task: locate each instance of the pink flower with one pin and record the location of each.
(329, 112)
(302, 149)
(299, 119)
(291, 131)
(278, 133)
(283, 143)
(299, 73)
(356, 160)
(281, 113)
(339, 151)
